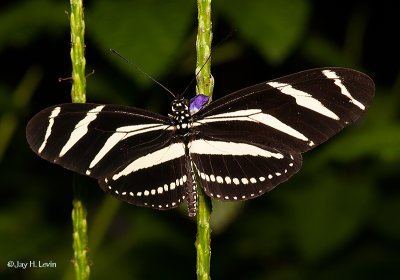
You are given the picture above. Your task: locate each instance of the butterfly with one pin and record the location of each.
(242, 145)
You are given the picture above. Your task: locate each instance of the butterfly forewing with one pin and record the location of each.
(94, 139)
(292, 113)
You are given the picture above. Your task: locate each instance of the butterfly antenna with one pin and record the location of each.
(195, 76)
(208, 58)
(140, 70)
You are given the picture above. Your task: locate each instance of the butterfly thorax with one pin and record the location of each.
(181, 116)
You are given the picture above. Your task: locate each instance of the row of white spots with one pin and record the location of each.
(257, 116)
(304, 99)
(53, 114)
(160, 206)
(236, 181)
(81, 128)
(243, 197)
(332, 75)
(156, 191)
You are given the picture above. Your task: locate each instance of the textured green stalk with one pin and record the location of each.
(80, 240)
(205, 85)
(205, 81)
(77, 22)
(203, 239)
(78, 95)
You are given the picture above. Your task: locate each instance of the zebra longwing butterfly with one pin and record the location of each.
(242, 145)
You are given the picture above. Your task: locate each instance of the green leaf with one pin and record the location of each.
(377, 135)
(386, 219)
(273, 26)
(324, 51)
(325, 215)
(224, 214)
(149, 33)
(22, 22)
(381, 142)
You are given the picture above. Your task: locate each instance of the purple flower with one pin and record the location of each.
(197, 103)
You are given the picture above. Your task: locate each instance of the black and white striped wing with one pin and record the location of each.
(262, 130)
(242, 145)
(156, 179)
(235, 171)
(118, 146)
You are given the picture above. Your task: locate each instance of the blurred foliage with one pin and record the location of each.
(338, 218)
(162, 24)
(283, 22)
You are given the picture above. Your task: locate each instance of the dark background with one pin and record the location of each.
(337, 219)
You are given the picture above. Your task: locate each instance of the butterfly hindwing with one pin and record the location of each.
(156, 179)
(234, 171)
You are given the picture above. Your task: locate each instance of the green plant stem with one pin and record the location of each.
(203, 239)
(205, 81)
(205, 85)
(80, 240)
(78, 95)
(78, 92)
